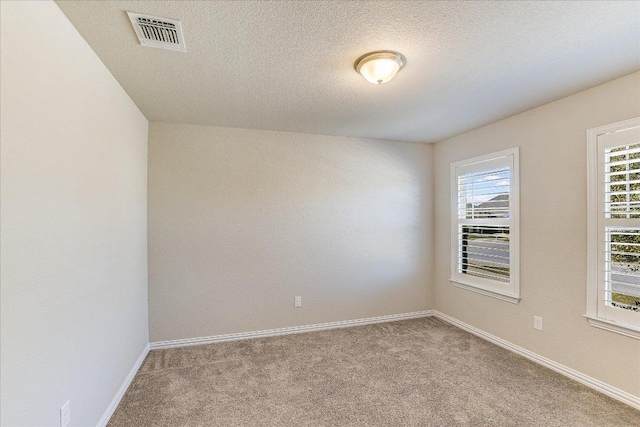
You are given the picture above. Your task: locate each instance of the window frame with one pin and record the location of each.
(596, 222)
(510, 291)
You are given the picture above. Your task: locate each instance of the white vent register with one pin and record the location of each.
(153, 31)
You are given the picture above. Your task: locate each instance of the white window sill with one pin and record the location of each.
(494, 294)
(618, 328)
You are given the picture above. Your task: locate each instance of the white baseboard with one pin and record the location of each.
(287, 330)
(622, 396)
(123, 388)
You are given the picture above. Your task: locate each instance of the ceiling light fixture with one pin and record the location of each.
(380, 66)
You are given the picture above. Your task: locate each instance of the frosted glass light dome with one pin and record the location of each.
(381, 66)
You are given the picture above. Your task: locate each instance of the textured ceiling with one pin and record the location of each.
(289, 65)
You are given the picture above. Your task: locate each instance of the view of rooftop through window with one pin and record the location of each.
(484, 247)
(484, 194)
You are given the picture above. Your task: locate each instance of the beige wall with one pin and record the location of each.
(241, 221)
(73, 234)
(552, 141)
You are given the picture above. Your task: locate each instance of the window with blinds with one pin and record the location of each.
(614, 218)
(622, 243)
(484, 217)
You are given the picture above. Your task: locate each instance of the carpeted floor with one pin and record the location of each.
(421, 372)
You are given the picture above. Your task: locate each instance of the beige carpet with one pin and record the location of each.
(421, 372)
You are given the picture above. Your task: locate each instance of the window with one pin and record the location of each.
(485, 225)
(613, 300)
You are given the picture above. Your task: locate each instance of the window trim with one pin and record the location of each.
(593, 230)
(514, 228)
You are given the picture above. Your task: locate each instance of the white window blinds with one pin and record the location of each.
(622, 225)
(484, 245)
(484, 218)
(613, 299)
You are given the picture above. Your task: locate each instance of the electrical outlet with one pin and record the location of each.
(65, 414)
(297, 302)
(537, 323)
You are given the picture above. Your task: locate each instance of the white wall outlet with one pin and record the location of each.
(65, 414)
(537, 323)
(297, 302)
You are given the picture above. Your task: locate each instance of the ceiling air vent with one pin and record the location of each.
(153, 31)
